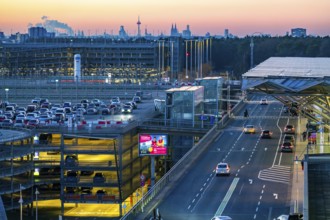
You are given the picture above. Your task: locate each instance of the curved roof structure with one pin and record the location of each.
(303, 80)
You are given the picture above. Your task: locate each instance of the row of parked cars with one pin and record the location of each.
(42, 112)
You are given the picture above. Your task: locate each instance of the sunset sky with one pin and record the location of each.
(241, 17)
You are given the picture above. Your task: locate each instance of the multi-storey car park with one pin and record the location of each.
(131, 59)
(97, 166)
(72, 168)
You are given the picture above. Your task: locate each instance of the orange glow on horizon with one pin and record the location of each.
(241, 17)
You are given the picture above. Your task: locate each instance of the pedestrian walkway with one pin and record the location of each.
(297, 190)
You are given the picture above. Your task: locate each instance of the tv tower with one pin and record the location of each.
(139, 30)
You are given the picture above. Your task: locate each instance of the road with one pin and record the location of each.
(259, 186)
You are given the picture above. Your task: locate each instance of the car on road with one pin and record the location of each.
(263, 102)
(289, 129)
(287, 147)
(266, 134)
(289, 138)
(249, 129)
(222, 169)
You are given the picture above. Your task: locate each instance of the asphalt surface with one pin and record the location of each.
(259, 186)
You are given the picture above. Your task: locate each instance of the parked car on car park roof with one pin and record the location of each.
(19, 123)
(127, 109)
(33, 123)
(7, 123)
(136, 99)
(92, 111)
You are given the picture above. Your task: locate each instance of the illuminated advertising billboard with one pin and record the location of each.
(153, 144)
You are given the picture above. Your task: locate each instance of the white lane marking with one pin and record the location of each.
(227, 197)
(279, 140)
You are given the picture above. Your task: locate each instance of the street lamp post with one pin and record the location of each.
(252, 49)
(20, 201)
(76, 89)
(37, 193)
(7, 90)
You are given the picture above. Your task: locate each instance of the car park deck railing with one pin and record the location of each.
(9, 134)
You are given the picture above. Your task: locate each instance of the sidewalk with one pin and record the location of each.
(297, 191)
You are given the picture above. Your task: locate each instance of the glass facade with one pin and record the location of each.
(184, 103)
(212, 94)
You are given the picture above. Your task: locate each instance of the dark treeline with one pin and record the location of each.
(234, 55)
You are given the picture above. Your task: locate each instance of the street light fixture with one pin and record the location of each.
(37, 193)
(56, 81)
(7, 90)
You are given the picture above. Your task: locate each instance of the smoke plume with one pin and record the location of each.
(54, 26)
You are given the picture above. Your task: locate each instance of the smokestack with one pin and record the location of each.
(139, 30)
